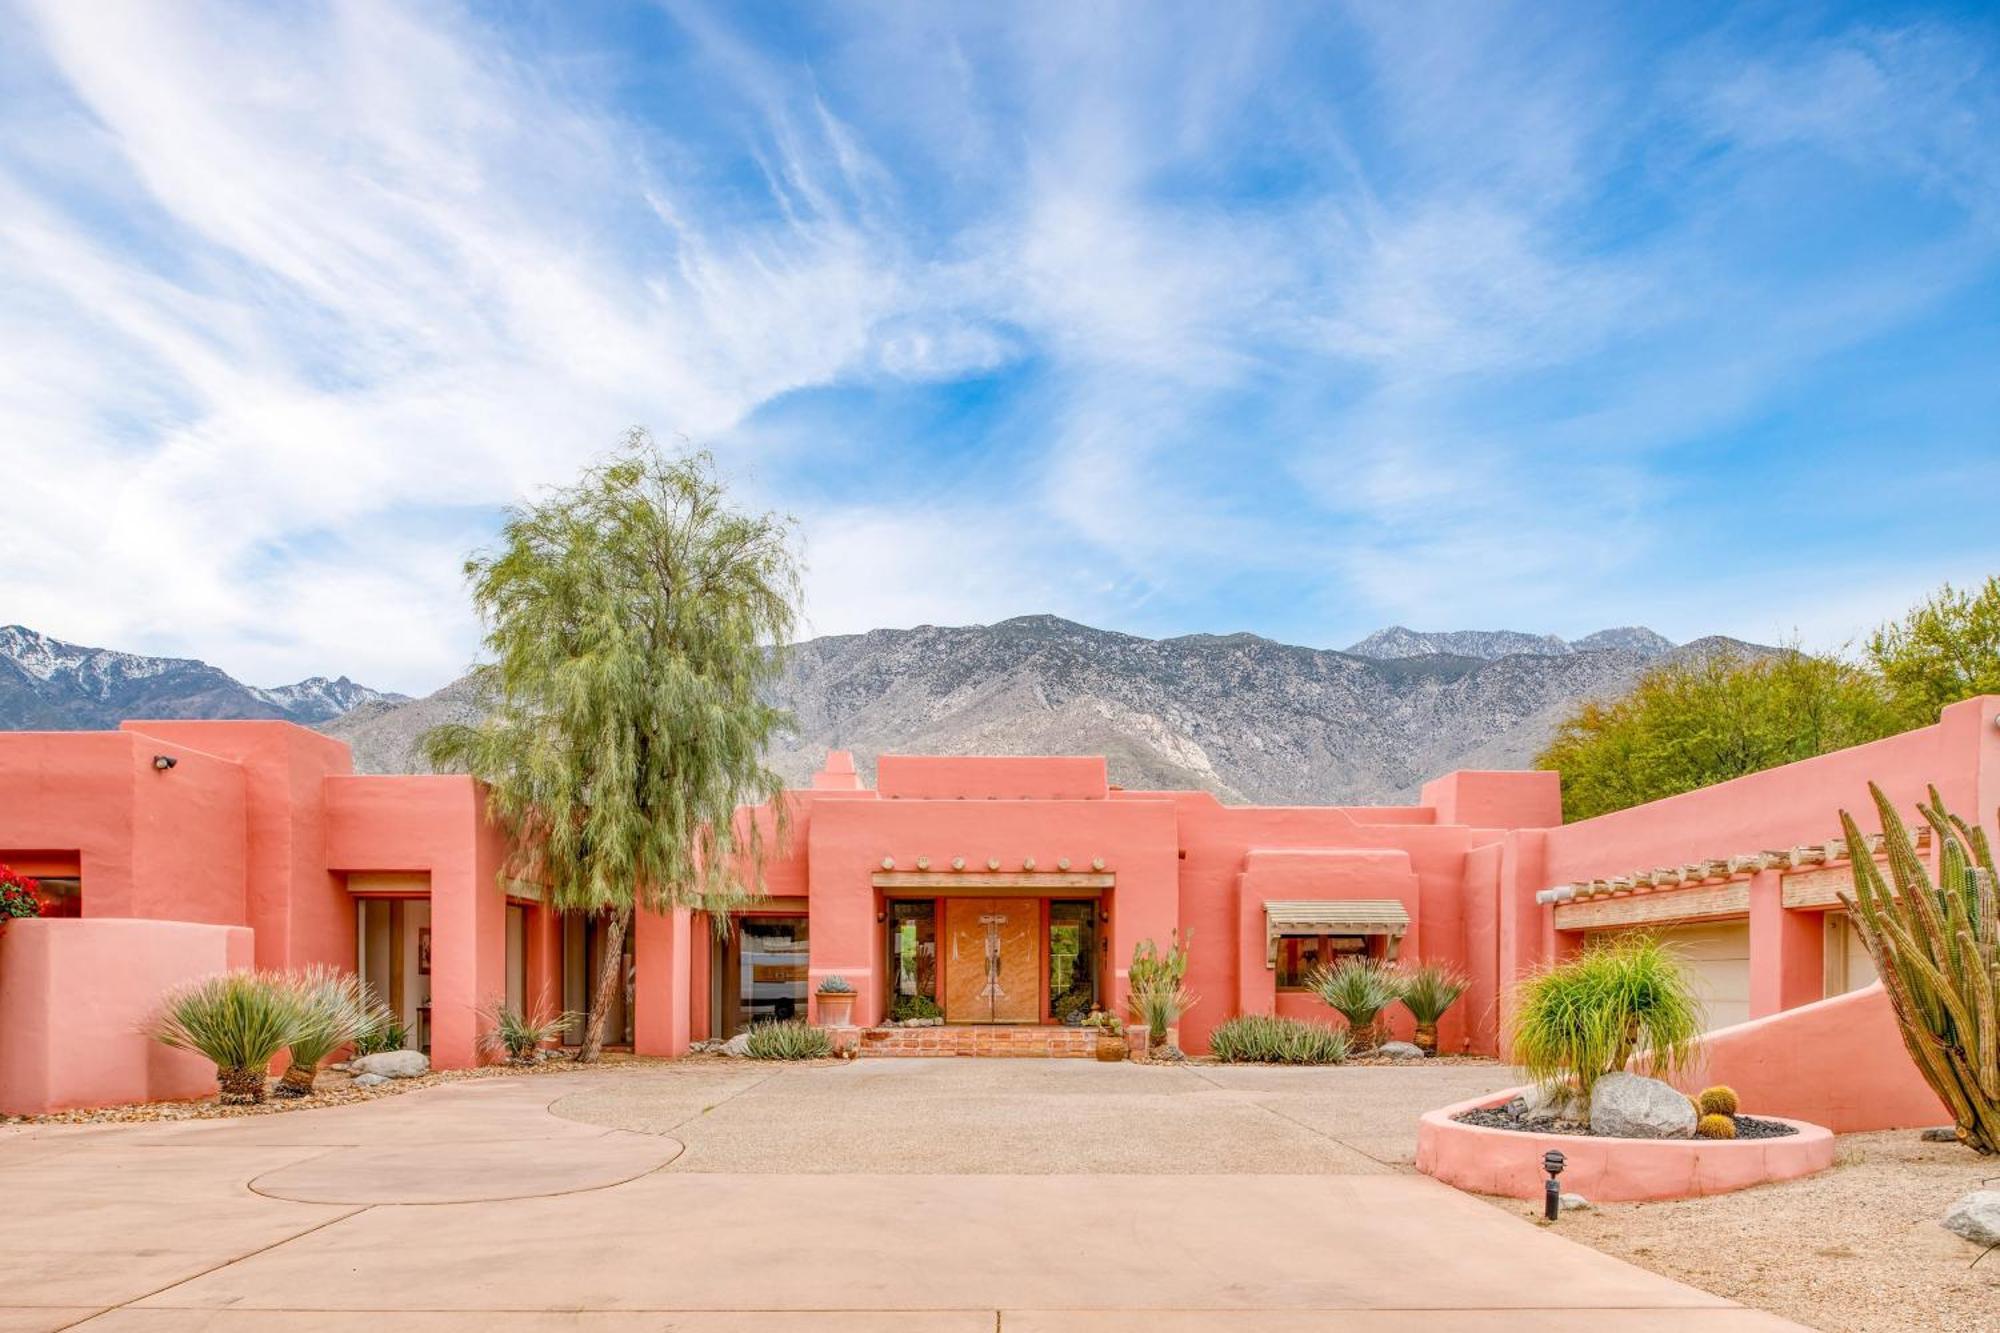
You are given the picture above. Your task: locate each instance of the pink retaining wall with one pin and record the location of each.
(1509, 1164)
(76, 991)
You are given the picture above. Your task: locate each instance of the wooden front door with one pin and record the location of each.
(992, 960)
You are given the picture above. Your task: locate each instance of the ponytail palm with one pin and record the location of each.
(1577, 1021)
(635, 621)
(240, 1020)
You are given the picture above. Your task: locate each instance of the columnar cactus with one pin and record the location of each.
(1937, 949)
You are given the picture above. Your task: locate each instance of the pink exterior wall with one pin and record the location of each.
(73, 994)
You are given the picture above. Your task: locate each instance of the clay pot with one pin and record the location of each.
(836, 1009)
(1110, 1047)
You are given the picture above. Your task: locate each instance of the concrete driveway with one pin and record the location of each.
(879, 1196)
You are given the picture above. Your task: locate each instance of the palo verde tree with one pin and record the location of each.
(633, 621)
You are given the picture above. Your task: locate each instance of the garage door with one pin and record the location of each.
(1848, 966)
(1718, 954)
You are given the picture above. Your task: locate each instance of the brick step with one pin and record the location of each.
(1054, 1043)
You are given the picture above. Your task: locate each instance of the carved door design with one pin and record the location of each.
(992, 960)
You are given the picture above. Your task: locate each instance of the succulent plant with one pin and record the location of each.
(836, 986)
(1715, 1127)
(1718, 1100)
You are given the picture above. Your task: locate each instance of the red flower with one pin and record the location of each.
(19, 895)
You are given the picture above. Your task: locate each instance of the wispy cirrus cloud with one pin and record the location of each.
(1169, 319)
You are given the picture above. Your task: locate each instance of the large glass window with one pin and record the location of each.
(913, 959)
(1299, 955)
(1072, 960)
(772, 957)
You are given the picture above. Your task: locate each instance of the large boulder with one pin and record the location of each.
(1400, 1050)
(1629, 1106)
(1976, 1217)
(737, 1045)
(1545, 1106)
(392, 1064)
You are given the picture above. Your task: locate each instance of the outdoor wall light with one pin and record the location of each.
(163, 762)
(1552, 1162)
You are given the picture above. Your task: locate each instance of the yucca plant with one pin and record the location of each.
(518, 1034)
(383, 1030)
(1577, 1021)
(1937, 950)
(240, 1020)
(1156, 991)
(334, 1009)
(1266, 1039)
(793, 1039)
(1358, 989)
(1427, 991)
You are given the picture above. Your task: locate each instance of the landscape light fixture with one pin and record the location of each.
(163, 762)
(1552, 1162)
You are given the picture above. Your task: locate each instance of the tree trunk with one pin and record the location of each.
(608, 966)
(1426, 1038)
(241, 1085)
(298, 1080)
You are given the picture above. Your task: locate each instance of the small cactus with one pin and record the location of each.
(1718, 1100)
(1716, 1126)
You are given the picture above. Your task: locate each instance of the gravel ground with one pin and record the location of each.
(1026, 1117)
(1747, 1126)
(1855, 1249)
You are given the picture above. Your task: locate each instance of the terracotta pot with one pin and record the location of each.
(1425, 1038)
(1110, 1047)
(836, 1009)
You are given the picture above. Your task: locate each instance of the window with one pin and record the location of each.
(1072, 960)
(913, 958)
(1299, 955)
(772, 964)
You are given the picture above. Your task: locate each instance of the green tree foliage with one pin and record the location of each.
(1703, 720)
(634, 620)
(1946, 649)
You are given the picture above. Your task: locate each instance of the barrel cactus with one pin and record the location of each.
(1718, 1100)
(1937, 949)
(1715, 1127)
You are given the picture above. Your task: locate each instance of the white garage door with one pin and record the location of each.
(1718, 954)
(1848, 966)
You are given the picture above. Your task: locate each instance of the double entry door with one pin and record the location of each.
(993, 960)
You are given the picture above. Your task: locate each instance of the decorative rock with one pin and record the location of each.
(737, 1045)
(1540, 1107)
(1576, 1203)
(1400, 1050)
(393, 1064)
(1976, 1217)
(1940, 1134)
(369, 1080)
(1630, 1106)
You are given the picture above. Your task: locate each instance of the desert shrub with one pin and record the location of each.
(907, 1007)
(1427, 991)
(793, 1039)
(1718, 1100)
(1577, 1021)
(382, 1029)
(517, 1034)
(240, 1020)
(1268, 1040)
(1358, 989)
(333, 1009)
(1157, 995)
(1715, 1126)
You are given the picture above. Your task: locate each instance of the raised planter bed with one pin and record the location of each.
(1508, 1162)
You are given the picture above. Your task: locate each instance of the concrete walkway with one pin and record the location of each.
(686, 1206)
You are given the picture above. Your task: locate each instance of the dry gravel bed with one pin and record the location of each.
(1855, 1249)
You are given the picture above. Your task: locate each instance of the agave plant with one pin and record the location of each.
(1937, 950)
(240, 1020)
(1575, 1022)
(792, 1039)
(1427, 990)
(1358, 989)
(517, 1033)
(334, 1009)
(1265, 1039)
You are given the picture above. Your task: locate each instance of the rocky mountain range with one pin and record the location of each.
(1242, 716)
(49, 685)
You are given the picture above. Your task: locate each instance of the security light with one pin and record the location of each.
(163, 762)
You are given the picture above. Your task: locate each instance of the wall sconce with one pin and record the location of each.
(881, 916)
(1104, 915)
(163, 762)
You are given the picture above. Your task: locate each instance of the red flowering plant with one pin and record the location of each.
(18, 896)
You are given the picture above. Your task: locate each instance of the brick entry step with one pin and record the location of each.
(983, 1039)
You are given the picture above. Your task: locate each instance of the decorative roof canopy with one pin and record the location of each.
(1831, 852)
(1331, 916)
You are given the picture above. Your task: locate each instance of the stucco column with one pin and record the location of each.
(661, 945)
(1525, 926)
(542, 949)
(1787, 950)
(468, 959)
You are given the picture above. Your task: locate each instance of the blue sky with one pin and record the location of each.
(1301, 320)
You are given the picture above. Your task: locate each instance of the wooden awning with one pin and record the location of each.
(1331, 916)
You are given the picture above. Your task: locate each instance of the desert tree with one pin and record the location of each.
(634, 621)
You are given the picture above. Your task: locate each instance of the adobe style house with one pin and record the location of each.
(1007, 892)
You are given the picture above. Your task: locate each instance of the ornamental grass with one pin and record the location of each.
(1268, 1040)
(517, 1033)
(1427, 991)
(1358, 989)
(1577, 1021)
(334, 1009)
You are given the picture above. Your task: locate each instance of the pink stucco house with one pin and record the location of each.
(1008, 892)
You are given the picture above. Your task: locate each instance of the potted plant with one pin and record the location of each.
(19, 896)
(1427, 990)
(1111, 1045)
(836, 1002)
